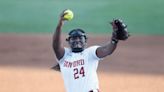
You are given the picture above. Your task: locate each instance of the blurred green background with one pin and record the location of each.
(41, 16)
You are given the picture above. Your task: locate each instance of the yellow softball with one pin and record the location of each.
(68, 14)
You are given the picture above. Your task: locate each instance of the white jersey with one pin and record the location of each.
(79, 70)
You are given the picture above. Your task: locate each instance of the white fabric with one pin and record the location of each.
(79, 70)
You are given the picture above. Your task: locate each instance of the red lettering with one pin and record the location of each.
(65, 64)
(69, 64)
(78, 72)
(74, 63)
(82, 61)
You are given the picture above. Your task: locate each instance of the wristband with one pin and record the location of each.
(114, 41)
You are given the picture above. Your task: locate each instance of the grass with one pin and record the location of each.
(26, 16)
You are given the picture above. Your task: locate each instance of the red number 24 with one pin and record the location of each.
(78, 72)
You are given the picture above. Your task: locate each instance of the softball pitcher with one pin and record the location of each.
(78, 63)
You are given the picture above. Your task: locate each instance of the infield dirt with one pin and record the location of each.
(137, 65)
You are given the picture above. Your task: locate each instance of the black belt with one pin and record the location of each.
(93, 90)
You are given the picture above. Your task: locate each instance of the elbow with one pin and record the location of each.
(110, 52)
(55, 46)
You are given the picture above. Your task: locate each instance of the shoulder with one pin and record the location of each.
(67, 51)
(92, 48)
(92, 52)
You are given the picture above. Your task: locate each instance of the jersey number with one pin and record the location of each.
(79, 72)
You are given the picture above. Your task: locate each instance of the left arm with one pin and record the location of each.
(119, 33)
(107, 49)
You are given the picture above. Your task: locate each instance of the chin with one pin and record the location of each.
(77, 47)
(76, 50)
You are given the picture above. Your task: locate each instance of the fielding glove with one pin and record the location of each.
(119, 30)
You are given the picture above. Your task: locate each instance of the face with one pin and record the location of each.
(77, 42)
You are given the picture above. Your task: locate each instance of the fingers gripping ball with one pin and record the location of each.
(68, 15)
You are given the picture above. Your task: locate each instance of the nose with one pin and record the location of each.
(77, 39)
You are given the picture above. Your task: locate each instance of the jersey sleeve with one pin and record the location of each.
(66, 50)
(92, 53)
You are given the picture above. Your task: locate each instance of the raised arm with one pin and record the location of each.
(119, 33)
(57, 43)
(107, 49)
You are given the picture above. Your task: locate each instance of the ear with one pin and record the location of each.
(86, 38)
(67, 39)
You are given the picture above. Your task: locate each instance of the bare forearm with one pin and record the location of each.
(57, 35)
(106, 49)
(57, 43)
(110, 47)
(119, 33)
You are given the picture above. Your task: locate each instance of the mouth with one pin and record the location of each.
(77, 45)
